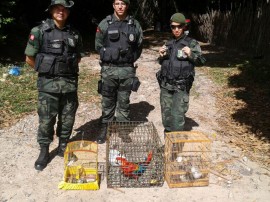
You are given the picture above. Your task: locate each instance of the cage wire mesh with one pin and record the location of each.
(187, 159)
(134, 155)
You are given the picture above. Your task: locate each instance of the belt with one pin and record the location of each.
(175, 82)
(117, 65)
(48, 76)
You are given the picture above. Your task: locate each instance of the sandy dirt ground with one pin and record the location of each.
(239, 179)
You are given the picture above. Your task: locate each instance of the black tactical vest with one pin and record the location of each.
(120, 42)
(58, 55)
(175, 66)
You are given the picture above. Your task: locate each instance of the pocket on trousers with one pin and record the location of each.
(135, 84)
(43, 107)
(99, 90)
(186, 99)
(108, 91)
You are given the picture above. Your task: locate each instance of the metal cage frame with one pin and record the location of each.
(134, 155)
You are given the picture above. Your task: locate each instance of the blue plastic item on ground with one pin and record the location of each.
(15, 71)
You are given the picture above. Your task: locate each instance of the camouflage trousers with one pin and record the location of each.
(52, 106)
(174, 105)
(115, 99)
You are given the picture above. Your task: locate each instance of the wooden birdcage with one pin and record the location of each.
(187, 159)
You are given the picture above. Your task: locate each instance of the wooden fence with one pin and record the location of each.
(246, 28)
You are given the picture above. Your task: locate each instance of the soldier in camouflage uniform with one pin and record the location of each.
(54, 50)
(178, 58)
(119, 43)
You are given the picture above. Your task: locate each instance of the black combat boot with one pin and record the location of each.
(43, 158)
(103, 133)
(62, 146)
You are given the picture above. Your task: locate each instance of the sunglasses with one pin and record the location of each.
(177, 26)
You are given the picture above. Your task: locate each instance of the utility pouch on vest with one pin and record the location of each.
(177, 69)
(56, 46)
(189, 83)
(99, 90)
(109, 54)
(114, 34)
(46, 64)
(72, 62)
(135, 84)
(61, 68)
(165, 67)
(38, 61)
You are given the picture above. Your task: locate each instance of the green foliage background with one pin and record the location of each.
(6, 17)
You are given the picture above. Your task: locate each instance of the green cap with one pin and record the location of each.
(65, 3)
(126, 1)
(178, 18)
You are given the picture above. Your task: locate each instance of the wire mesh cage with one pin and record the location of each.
(81, 166)
(134, 155)
(187, 159)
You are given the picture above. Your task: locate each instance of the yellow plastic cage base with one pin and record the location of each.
(72, 171)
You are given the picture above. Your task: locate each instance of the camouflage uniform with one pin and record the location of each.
(117, 78)
(57, 95)
(174, 94)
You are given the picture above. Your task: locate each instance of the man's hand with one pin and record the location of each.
(187, 51)
(30, 61)
(162, 51)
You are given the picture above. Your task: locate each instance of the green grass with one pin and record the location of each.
(220, 75)
(18, 94)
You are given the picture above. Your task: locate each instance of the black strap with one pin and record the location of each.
(117, 65)
(49, 76)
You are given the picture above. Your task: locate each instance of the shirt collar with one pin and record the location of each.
(181, 37)
(116, 19)
(53, 26)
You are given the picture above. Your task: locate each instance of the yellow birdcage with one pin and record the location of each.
(187, 159)
(81, 166)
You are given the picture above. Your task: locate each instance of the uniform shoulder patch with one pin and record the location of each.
(32, 37)
(98, 30)
(34, 34)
